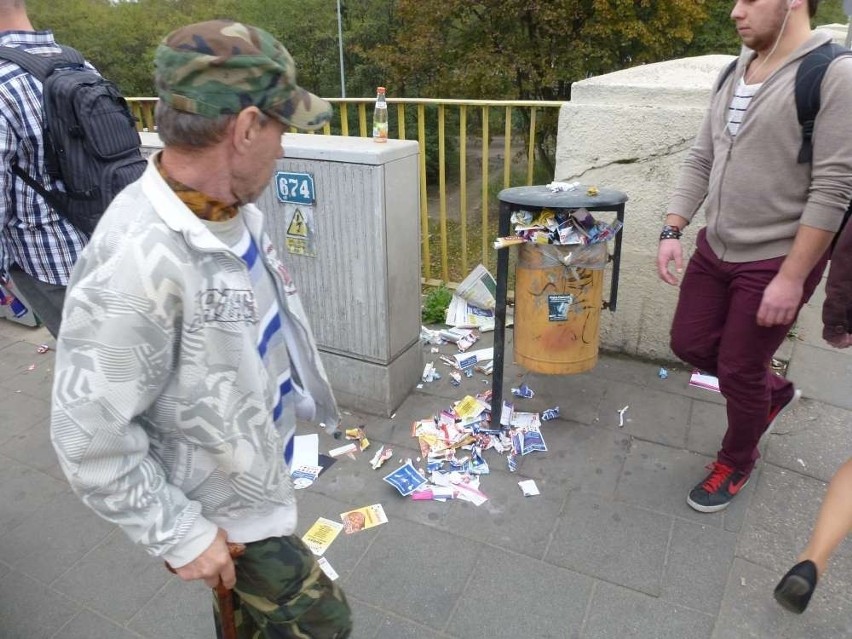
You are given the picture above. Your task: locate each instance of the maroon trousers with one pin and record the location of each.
(715, 329)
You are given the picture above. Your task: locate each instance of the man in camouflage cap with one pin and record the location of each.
(219, 67)
(185, 356)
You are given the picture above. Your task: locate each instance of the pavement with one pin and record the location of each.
(609, 549)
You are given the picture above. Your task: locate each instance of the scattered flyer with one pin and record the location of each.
(406, 479)
(321, 534)
(304, 476)
(700, 379)
(363, 518)
(381, 456)
(529, 488)
(342, 450)
(469, 407)
(525, 420)
(330, 572)
(528, 441)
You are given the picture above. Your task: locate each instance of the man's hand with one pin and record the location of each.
(780, 301)
(669, 251)
(844, 340)
(213, 564)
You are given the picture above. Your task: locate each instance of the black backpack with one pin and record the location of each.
(809, 77)
(90, 138)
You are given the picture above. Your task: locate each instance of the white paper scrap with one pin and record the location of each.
(330, 572)
(305, 450)
(342, 450)
(528, 487)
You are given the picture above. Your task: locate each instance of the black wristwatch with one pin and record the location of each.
(670, 232)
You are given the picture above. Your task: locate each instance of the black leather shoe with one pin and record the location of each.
(796, 587)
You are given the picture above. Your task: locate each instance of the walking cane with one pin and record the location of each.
(225, 597)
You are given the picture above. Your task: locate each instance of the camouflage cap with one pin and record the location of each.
(219, 67)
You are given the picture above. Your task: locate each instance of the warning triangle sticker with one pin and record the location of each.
(298, 227)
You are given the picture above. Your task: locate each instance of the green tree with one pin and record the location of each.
(526, 49)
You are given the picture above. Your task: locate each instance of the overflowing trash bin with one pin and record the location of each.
(562, 254)
(557, 309)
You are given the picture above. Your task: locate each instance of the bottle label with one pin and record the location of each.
(380, 131)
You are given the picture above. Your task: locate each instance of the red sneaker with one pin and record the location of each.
(718, 489)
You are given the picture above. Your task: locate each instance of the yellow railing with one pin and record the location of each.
(458, 235)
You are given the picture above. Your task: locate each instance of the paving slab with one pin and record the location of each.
(697, 565)
(179, 609)
(91, 625)
(20, 412)
(53, 538)
(614, 542)
(516, 597)
(31, 609)
(621, 613)
(116, 579)
(813, 439)
(820, 373)
(23, 490)
(367, 619)
(396, 628)
(509, 520)
(579, 457)
(652, 415)
(431, 556)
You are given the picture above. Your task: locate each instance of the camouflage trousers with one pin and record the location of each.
(282, 593)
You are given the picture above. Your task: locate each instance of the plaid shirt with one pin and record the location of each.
(33, 235)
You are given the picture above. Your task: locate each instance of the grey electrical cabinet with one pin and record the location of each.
(343, 213)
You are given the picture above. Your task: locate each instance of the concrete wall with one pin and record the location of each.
(630, 131)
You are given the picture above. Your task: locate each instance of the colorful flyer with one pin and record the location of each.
(363, 518)
(321, 534)
(406, 479)
(304, 476)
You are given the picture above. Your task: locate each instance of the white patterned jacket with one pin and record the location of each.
(162, 407)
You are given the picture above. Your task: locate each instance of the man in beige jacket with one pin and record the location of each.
(770, 221)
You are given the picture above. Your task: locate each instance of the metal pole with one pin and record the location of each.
(340, 46)
(849, 34)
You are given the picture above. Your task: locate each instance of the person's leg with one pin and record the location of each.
(745, 352)
(282, 592)
(833, 524)
(746, 381)
(44, 299)
(834, 521)
(702, 306)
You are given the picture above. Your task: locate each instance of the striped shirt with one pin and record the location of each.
(42, 242)
(739, 104)
(271, 343)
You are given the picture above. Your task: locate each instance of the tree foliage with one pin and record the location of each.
(529, 49)
(521, 49)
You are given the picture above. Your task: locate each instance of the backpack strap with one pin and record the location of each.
(56, 199)
(809, 77)
(41, 66)
(727, 72)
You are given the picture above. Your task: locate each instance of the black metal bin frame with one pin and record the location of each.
(536, 198)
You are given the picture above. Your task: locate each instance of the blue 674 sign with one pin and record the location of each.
(297, 188)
